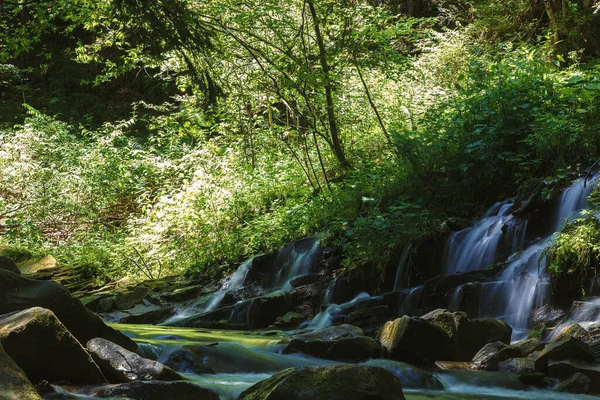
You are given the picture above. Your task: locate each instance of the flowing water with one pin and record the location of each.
(402, 270)
(478, 247)
(241, 359)
(292, 262)
(524, 284)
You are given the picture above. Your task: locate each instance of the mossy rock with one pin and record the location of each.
(13, 381)
(337, 382)
(350, 349)
(41, 345)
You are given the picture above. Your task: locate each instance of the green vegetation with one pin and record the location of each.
(174, 135)
(576, 250)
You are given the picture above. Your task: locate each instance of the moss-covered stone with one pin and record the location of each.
(14, 384)
(413, 340)
(19, 293)
(351, 349)
(338, 382)
(41, 345)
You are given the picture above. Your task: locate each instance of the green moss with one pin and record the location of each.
(576, 249)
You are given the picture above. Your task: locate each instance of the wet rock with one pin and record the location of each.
(331, 333)
(289, 321)
(488, 358)
(131, 298)
(106, 304)
(574, 330)
(522, 348)
(568, 348)
(13, 381)
(19, 293)
(121, 365)
(519, 365)
(183, 294)
(152, 317)
(468, 336)
(156, 390)
(536, 379)
(413, 339)
(453, 365)
(351, 282)
(567, 368)
(577, 383)
(350, 349)
(337, 382)
(34, 266)
(548, 315)
(305, 280)
(8, 264)
(41, 345)
(182, 360)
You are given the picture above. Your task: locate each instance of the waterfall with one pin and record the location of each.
(402, 271)
(524, 284)
(477, 247)
(235, 282)
(295, 264)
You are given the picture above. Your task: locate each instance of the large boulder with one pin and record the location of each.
(413, 340)
(121, 365)
(488, 358)
(468, 336)
(13, 381)
(37, 341)
(337, 382)
(565, 349)
(574, 330)
(8, 264)
(183, 360)
(19, 293)
(350, 349)
(577, 383)
(565, 369)
(157, 390)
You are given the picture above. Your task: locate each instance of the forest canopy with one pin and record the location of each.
(151, 138)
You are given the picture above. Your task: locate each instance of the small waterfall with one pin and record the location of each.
(582, 313)
(323, 319)
(402, 270)
(455, 299)
(524, 284)
(572, 200)
(477, 247)
(235, 282)
(296, 264)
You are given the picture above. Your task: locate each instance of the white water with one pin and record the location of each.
(585, 314)
(402, 270)
(299, 264)
(324, 318)
(524, 284)
(477, 247)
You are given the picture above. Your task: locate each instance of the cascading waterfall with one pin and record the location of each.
(402, 270)
(524, 284)
(477, 247)
(300, 263)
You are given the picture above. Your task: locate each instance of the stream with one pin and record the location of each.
(241, 359)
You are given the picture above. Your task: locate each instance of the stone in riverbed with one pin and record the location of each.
(8, 264)
(574, 330)
(468, 336)
(152, 317)
(19, 293)
(157, 390)
(14, 384)
(488, 358)
(577, 383)
(331, 333)
(568, 348)
(567, 368)
(337, 382)
(350, 349)
(183, 360)
(413, 340)
(37, 341)
(121, 365)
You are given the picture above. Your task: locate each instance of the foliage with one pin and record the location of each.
(576, 249)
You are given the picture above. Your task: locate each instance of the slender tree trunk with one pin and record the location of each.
(333, 127)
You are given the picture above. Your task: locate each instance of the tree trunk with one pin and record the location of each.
(333, 127)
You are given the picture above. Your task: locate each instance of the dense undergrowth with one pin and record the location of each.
(437, 118)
